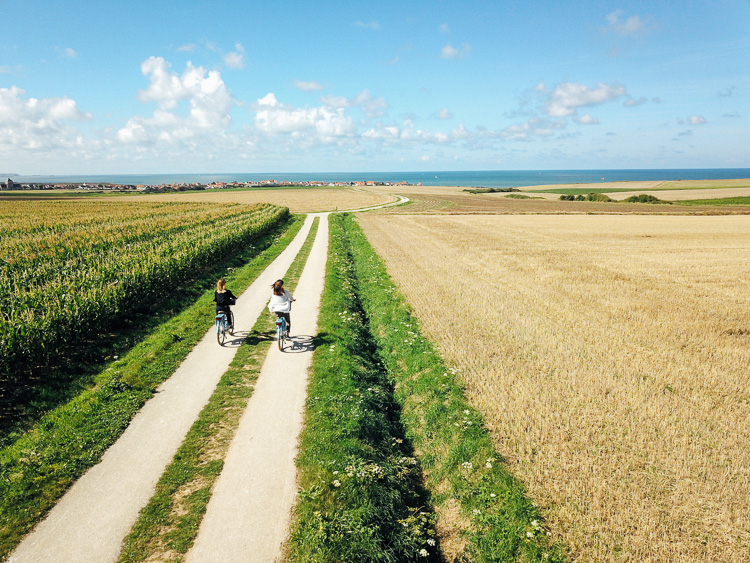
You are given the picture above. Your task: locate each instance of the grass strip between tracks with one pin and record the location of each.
(39, 467)
(483, 513)
(361, 497)
(168, 525)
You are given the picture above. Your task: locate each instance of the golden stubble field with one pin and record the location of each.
(610, 356)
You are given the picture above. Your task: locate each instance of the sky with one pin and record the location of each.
(315, 86)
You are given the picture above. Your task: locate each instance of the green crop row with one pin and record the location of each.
(84, 273)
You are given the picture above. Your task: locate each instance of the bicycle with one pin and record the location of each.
(224, 324)
(280, 331)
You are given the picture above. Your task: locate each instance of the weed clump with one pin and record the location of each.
(490, 190)
(592, 196)
(644, 198)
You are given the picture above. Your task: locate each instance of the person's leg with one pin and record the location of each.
(288, 318)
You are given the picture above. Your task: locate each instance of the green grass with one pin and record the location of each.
(379, 392)
(170, 521)
(37, 468)
(361, 497)
(717, 202)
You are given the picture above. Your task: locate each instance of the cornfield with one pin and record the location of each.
(70, 269)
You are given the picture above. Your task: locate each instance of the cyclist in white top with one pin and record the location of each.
(281, 303)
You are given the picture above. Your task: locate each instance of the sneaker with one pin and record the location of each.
(287, 334)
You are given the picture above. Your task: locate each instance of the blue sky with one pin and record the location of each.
(201, 87)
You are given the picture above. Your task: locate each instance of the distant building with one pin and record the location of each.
(7, 185)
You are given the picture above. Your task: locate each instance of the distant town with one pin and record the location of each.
(10, 184)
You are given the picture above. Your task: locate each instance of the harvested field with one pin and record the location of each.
(451, 200)
(303, 200)
(681, 195)
(610, 356)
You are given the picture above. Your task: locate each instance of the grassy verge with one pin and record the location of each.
(361, 496)
(37, 468)
(167, 526)
(484, 513)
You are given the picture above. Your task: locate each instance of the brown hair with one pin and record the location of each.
(220, 285)
(278, 287)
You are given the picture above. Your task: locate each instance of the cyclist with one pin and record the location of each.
(224, 298)
(281, 303)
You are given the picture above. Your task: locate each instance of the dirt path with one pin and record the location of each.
(91, 520)
(248, 514)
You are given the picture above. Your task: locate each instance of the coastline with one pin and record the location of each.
(478, 178)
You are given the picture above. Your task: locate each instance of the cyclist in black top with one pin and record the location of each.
(224, 298)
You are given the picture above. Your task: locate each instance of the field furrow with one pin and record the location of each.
(610, 358)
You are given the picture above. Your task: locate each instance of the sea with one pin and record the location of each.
(477, 178)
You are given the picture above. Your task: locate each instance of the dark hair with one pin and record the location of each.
(278, 287)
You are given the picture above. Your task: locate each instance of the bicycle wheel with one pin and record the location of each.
(221, 332)
(280, 336)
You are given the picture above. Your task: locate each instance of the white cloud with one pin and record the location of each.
(373, 25)
(534, 127)
(336, 102)
(631, 26)
(372, 107)
(450, 52)
(444, 28)
(31, 123)
(407, 135)
(321, 124)
(70, 53)
(235, 59)
(308, 86)
(586, 119)
(268, 100)
(444, 114)
(188, 48)
(208, 100)
(631, 102)
(696, 120)
(568, 97)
